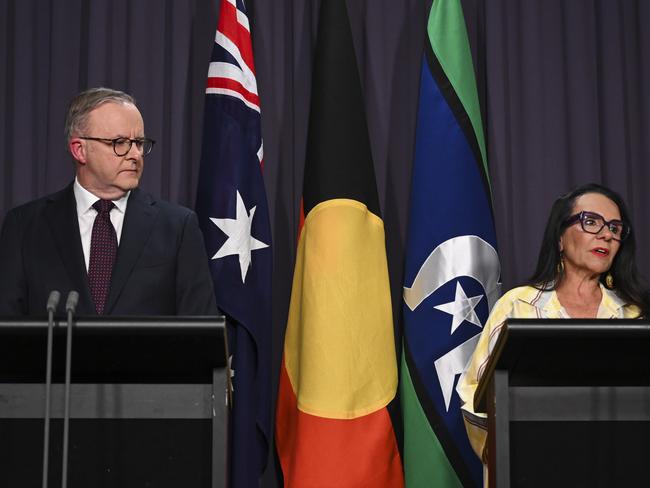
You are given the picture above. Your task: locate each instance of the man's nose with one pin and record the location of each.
(139, 152)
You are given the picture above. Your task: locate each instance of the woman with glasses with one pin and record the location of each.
(586, 269)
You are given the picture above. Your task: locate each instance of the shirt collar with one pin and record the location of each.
(611, 303)
(86, 199)
(547, 302)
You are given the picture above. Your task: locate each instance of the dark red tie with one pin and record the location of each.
(103, 249)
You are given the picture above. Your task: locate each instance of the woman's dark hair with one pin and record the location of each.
(627, 281)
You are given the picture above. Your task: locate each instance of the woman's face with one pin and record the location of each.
(585, 253)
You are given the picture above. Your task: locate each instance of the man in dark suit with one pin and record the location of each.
(125, 252)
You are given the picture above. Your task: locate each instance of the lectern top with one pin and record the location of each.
(115, 349)
(569, 352)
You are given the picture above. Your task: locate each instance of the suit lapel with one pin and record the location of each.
(138, 221)
(61, 217)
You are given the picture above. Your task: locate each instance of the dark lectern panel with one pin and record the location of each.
(115, 350)
(109, 453)
(579, 454)
(547, 361)
(577, 352)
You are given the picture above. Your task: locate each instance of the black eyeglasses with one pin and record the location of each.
(593, 223)
(122, 145)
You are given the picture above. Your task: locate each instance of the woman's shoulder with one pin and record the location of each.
(619, 306)
(524, 293)
(517, 302)
(631, 311)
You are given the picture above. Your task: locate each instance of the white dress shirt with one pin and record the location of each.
(86, 215)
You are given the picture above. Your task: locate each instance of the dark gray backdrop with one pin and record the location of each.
(561, 85)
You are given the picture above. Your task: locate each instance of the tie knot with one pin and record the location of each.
(103, 206)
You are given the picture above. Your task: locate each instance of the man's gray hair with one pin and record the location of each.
(85, 102)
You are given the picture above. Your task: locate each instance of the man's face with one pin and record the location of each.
(99, 169)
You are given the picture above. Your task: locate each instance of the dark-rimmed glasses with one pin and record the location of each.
(593, 223)
(122, 145)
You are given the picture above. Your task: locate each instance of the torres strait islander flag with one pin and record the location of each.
(233, 214)
(452, 267)
(339, 368)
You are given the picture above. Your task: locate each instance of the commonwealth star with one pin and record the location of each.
(240, 240)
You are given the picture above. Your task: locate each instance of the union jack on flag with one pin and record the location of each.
(232, 71)
(233, 214)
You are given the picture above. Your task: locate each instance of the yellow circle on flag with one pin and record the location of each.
(339, 344)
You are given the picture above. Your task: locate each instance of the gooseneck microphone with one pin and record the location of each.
(70, 308)
(71, 302)
(52, 303)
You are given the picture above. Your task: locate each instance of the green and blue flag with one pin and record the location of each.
(452, 268)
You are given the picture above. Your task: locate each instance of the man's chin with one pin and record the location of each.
(128, 182)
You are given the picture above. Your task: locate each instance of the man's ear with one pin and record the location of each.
(78, 150)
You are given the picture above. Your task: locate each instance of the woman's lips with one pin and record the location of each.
(600, 252)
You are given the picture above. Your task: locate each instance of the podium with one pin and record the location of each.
(568, 404)
(147, 402)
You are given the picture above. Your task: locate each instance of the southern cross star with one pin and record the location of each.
(240, 241)
(462, 308)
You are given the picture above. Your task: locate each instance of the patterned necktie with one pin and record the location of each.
(103, 249)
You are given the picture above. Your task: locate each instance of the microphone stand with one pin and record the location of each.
(70, 307)
(52, 303)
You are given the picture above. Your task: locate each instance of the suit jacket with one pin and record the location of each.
(161, 266)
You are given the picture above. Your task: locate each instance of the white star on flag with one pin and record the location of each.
(462, 308)
(240, 241)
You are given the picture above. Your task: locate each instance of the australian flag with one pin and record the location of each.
(233, 214)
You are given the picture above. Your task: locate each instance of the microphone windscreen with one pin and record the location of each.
(71, 302)
(53, 301)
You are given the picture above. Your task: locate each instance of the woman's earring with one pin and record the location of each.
(609, 281)
(560, 266)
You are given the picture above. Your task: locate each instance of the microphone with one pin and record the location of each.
(52, 303)
(70, 308)
(71, 302)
